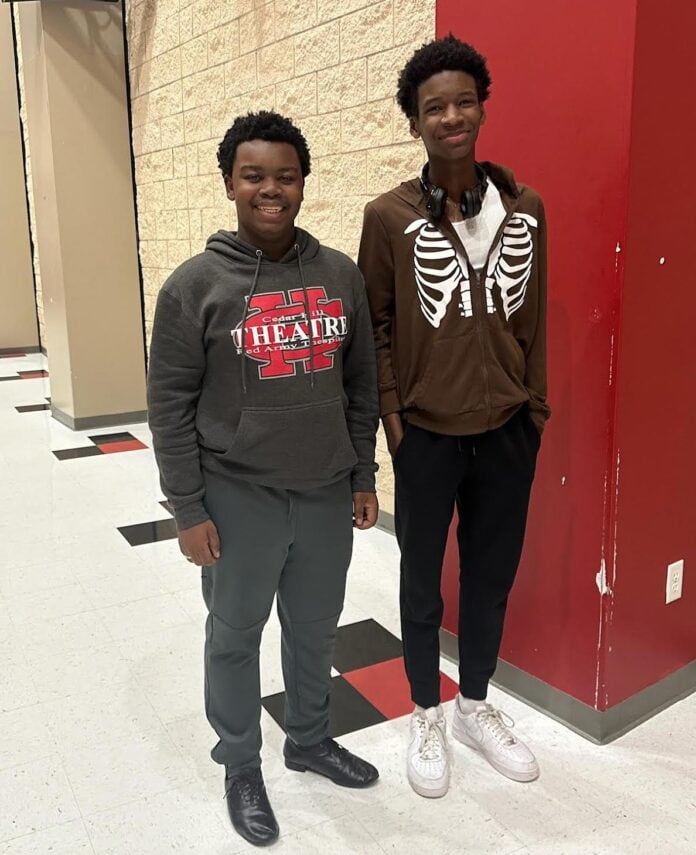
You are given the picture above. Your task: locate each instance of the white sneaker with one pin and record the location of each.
(427, 764)
(487, 730)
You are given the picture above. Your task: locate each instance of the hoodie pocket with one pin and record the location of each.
(506, 370)
(453, 381)
(293, 446)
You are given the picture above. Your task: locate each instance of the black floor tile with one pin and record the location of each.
(149, 532)
(364, 643)
(348, 711)
(33, 408)
(165, 505)
(124, 436)
(11, 377)
(72, 453)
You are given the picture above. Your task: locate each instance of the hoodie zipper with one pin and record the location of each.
(480, 310)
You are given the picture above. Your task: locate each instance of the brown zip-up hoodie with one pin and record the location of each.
(458, 351)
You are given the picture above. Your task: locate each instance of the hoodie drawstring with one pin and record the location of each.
(254, 285)
(307, 315)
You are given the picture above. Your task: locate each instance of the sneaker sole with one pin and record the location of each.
(512, 774)
(430, 792)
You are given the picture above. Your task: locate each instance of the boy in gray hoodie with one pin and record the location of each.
(263, 408)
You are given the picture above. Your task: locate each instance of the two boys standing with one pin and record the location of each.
(264, 401)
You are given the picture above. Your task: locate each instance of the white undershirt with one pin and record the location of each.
(478, 233)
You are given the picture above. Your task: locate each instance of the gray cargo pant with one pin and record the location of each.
(295, 544)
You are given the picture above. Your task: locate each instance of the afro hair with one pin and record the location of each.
(264, 125)
(446, 54)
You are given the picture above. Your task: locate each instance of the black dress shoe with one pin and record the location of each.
(331, 760)
(250, 811)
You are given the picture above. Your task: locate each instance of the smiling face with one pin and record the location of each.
(266, 186)
(449, 116)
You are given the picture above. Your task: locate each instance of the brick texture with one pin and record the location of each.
(331, 65)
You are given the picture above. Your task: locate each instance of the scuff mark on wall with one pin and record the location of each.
(601, 579)
(617, 473)
(598, 660)
(611, 361)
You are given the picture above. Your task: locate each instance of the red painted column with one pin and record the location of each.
(587, 106)
(655, 423)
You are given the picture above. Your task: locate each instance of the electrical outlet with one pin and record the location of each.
(675, 578)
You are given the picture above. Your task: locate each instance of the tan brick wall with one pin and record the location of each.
(331, 65)
(30, 193)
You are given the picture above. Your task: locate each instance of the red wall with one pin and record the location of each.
(560, 117)
(656, 406)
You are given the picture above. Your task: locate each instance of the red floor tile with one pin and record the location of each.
(127, 445)
(385, 686)
(32, 375)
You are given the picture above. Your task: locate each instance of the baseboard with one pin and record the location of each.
(33, 348)
(600, 727)
(88, 422)
(385, 521)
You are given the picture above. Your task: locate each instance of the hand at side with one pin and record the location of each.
(365, 510)
(200, 543)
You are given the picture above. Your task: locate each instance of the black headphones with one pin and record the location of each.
(470, 204)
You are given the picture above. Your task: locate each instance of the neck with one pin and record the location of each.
(455, 176)
(273, 248)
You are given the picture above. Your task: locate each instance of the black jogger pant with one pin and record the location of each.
(489, 476)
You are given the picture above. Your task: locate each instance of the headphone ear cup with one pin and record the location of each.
(471, 203)
(437, 201)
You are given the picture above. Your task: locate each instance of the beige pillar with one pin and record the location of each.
(18, 327)
(77, 119)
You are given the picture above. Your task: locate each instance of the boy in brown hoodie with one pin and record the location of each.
(455, 267)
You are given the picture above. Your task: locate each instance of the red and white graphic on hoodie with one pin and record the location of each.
(276, 331)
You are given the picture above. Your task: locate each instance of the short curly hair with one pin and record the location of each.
(446, 54)
(264, 125)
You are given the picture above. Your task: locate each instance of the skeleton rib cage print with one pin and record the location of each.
(439, 273)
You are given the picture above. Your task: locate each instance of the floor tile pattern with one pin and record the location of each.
(104, 746)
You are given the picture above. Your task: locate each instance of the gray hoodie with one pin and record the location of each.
(239, 387)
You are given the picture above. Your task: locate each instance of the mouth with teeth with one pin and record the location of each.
(270, 210)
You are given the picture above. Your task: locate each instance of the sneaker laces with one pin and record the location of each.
(497, 723)
(430, 738)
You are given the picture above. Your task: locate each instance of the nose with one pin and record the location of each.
(451, 115)
(270, 187)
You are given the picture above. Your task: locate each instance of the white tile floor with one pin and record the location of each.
(104, 744)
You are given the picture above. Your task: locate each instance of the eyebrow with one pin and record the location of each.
(441, 97)
(261, 168)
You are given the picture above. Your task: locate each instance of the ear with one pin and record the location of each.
(413, 128)
(483, 115)
(229, 187)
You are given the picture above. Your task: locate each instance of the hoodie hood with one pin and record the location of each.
(230, 246)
